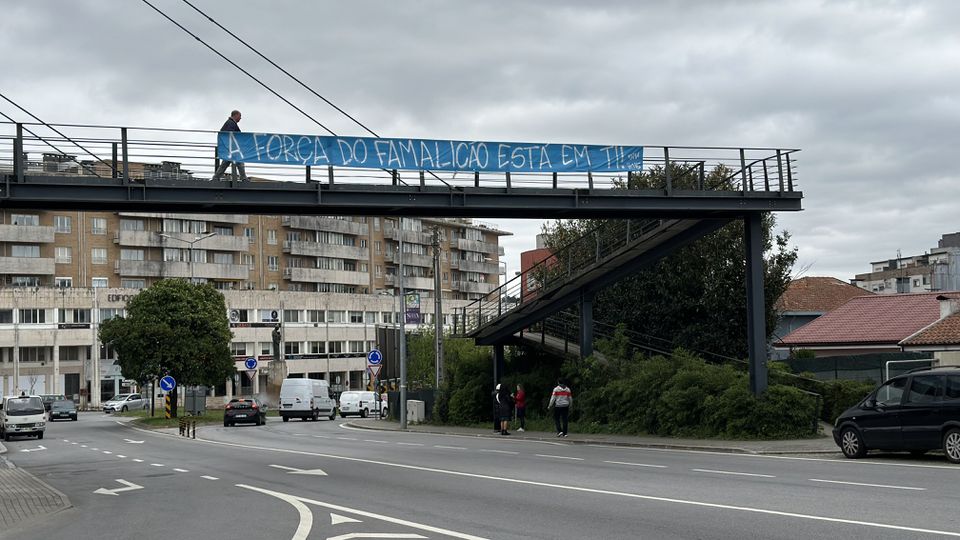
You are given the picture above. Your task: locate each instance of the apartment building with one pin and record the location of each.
(329, 280)
(936, 270)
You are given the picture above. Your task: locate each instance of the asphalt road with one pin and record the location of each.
(324, 480)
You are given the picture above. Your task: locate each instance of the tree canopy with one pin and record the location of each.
(695, 297)
(176, 328)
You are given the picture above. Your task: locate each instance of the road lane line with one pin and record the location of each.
(375, 441)
(205, 477)
(306, 516)
(566, 487)
(711, 471)
(107, 452)
(449, 447)
(284, 467)
(121, 456)
(138, 460)
(636, 464)
(409, 444)
(156, 464)
(508, 452)
(83, 446)
(321, 436)
(346, 438)
(867, 485)
(181, 470)
(95, 449)
(560, 457)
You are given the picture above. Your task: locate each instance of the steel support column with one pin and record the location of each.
(756, 325)
(586, 324)
(498, 363)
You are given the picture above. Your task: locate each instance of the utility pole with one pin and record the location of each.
(403, 335)
(437, 312)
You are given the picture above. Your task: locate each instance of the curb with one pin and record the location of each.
(655, 445)
(3, 449)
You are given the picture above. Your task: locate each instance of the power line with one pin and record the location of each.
(51, 145)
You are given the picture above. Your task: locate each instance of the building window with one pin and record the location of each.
(98, 255)
(127, 224)
(376, 224)
(108, 313)
(377, 246)
(238, 348)
(249, 285)
(370, 317)
(336, 316)
(363, 267)
(62, 254)
(6, 316)
(25, 250)
(336, 347)
(34, 354)
(273, 263)
(62, 224)
(25, 219)
(63, 282)
(379, 270)
(291, 315)
(98, 225)
(386, 317)
(356, 316)
(316, 347)
(291, 347)
(248, 260)
(357, 346)
(222, 230)
(266, 348)
(130, 254)
(220, 257)
(271, 236)
(25, 281)
(33, 316)
(295, 287)
(133, 284)
(250, 234)
(74, 315)
(315, 316)
(294, 262)
(363, 242)
(293, 236)
(99, 283)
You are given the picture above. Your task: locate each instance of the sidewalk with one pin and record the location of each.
(25, 497)
(819, 445)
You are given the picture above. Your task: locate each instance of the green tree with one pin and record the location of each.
(175, 328)
(696, 296)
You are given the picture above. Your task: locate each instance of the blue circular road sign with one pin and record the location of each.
(168, 383)
(374, 357)
(250, 363)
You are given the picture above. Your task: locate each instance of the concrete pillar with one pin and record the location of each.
(256, 383)
(756, 324)
(498, 363)
(586, 324)
(229, 388)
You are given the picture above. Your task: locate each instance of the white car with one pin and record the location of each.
(126, 402)
(362, 404)
(22, 415)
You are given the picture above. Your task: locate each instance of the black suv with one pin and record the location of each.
(917, 411)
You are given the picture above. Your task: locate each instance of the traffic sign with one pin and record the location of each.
(374, 357)
(374, 372)
(250, 363)
(251, 373)
(168, 383)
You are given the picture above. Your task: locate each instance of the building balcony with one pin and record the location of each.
(473, 287)
(475, 245)
(480, 267)
(409, 259)
(412, 237)
(215, 218)
(29, 266)
(321, 223)
(409, 282)
(317, 275)
(179, 240)
(316, 249)
(171, 269)
(26, 234)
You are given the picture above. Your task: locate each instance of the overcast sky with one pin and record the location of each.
(868, 90)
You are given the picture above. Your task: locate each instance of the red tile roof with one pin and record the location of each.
(946, 331)
(817, 294)
(875, 319)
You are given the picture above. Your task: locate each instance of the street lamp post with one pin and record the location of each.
(203, 236)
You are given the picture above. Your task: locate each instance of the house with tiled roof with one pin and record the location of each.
(807, 298)
(867, 324)
(941, 337)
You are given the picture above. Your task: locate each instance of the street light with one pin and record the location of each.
(190, 243)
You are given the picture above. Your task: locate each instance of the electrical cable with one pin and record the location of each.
(51, 145)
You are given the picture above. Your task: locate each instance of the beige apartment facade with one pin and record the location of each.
(328, 280)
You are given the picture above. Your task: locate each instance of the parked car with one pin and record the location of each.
(48, 399)
(917, 412)
(126, 402)
(245, 411)
(22, 415)
(306, 398)
(362, 404)
(63, 409)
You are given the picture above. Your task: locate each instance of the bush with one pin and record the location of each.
(840, 395)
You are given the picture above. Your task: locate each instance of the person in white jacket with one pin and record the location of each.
(560, 401)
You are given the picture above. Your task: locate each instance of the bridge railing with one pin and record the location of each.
(148, 153)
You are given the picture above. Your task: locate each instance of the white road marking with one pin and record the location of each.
(300, 500)
(375, 441)
(306, 516)
(811, 517)
(95, 449)
(138, 460)
(409, 444)
(83, 446)
(321, 436)
(350, 536)
(346, 438)
(66, 440)
(868, 485)
(508, 452)
(130, 487)
(181, 470)
(107, 452)
(336, 519)
(121, 456)
(636, 464)
(39, 448)
(294, 470)
(156, 464)
(205, 477)
(449, 447)
(131, 441)
(559, 457)
(74, 443)
(712, 471)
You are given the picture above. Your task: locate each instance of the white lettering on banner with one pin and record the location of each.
(501, 156)
(270, 144)
(256, 144)
(383, 148)
(545, 157)
(584, 152)
(345, 151)
(234, 147)
(362, 144)
(411, 149)
(304, 157)
(425, 156)
(319, 153)
(287, 147)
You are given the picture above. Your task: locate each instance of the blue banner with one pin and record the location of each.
(426, 154)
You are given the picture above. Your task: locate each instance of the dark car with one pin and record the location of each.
(916, 412)
(48, 399)
(63, 409)
(245, 411)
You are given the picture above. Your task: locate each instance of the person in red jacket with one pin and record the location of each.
(520, 405)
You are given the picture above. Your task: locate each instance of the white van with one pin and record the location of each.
(22, 415)
(306, 398)
(362, 404)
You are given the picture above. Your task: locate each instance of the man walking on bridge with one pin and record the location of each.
(231, 125)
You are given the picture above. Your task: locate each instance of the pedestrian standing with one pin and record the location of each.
(520, 402)
(496, 409)
(505, 408)
(230, 125)
(560, 401)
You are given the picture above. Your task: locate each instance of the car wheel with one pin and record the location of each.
(6, 437)
(851, 444)
(286, 418)
(364, 413)
(123, 409)
(951, 445)
(39, 435)
(73, 418)
(225, 423)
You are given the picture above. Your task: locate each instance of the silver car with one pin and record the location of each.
(126, 402)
